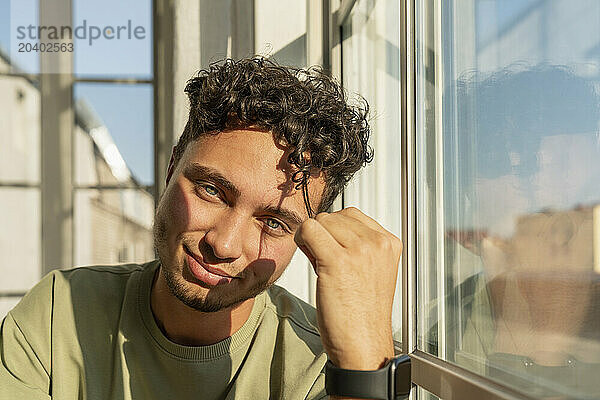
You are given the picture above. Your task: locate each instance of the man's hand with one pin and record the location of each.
(539, 304)
(356, 261)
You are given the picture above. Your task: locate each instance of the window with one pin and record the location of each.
(77, 158)
(507, 194)
(113, 173)
(20, 157)
(127, 50)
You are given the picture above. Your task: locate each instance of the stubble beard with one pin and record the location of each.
(215, 299)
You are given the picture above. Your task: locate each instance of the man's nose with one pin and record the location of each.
(226, 236)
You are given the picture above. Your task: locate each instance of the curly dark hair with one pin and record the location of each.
(304, 108)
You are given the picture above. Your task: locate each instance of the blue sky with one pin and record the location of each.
(126, 110)
(493, 15)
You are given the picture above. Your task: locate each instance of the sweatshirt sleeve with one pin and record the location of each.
(317, 392)
(25, 337)
(21, 374)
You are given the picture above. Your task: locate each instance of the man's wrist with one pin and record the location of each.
(366, 363)
(363, 358)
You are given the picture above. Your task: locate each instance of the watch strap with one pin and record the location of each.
(354, 383)
(392, 381)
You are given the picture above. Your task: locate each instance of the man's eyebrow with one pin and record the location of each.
(285, 214)
(196, 171)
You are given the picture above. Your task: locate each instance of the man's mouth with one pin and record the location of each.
(210, 275)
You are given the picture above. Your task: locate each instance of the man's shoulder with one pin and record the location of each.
(89, 275)
(119, 271)
(79, 285)
(100, 283)
(288, 307)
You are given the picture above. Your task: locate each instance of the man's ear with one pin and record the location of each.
(171, 167)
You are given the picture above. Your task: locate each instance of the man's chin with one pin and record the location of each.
(200, 304)
(206, 299)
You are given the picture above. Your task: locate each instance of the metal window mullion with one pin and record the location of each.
(242, 32)
(408, 135)
(163, 19)
(449, 381)
(148, 188)
(56, 144)
(439, 181)
(318, 18)
(30, 77)
(22, 185)
(7, 294)
(335, 65)
(125, 81)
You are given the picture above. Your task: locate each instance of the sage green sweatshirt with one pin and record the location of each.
(88, 333)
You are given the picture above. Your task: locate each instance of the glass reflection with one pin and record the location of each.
(529, 210)
(508, 126)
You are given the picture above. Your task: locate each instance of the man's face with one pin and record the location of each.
(224, 227)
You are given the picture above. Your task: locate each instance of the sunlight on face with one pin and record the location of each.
(225, 225)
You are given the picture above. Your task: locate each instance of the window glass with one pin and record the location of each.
(113, 134)
(113, 146)
(508, 201)
(4, 32)
(422, 394)
(113, 226)
(18, 36)
(19, 130)
(20, 253)
(112, 38)
(370, 64)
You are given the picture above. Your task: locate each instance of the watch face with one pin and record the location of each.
(400, 378)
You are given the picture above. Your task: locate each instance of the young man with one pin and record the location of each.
(264, 148)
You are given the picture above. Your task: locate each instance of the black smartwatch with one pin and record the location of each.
(391, 382)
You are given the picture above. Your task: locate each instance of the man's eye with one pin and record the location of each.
(273, 224)
(211, 190)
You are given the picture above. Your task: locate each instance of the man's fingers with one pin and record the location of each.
(311, 258)
(380, 231)
(311, 236)
(341, 228)
(355, 213)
